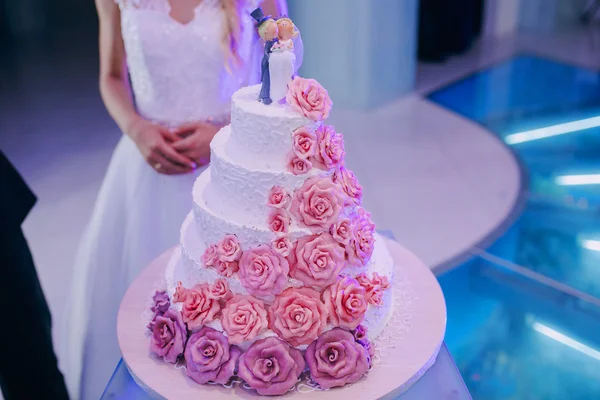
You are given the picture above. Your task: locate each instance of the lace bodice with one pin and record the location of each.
(178, 70)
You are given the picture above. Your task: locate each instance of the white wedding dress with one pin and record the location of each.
(178, 75)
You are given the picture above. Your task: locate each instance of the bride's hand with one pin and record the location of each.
(195, 142)
(156, 142)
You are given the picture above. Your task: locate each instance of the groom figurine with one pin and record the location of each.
(267, 30)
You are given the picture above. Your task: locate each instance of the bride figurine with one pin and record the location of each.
(285, 59)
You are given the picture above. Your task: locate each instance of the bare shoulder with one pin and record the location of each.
(108, 6)
(108, 9)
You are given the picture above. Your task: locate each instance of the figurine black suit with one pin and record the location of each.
(265, 90)
(261, 24)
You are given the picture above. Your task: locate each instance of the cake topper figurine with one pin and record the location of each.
(268, 31)
(282, 61)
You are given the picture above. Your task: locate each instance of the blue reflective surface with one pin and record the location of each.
(509, 320)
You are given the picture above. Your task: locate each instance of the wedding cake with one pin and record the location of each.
(280, 273)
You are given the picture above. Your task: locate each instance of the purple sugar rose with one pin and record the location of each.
(271, 366)
(360, 333)
(209, 357)
(161, 302)
(336, 359)
(169, 335)
(159, 307)
(368, 345)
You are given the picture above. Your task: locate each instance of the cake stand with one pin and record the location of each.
(406, 349)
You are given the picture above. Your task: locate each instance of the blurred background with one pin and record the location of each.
(473, 126)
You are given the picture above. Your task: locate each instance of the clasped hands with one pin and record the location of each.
(174, 151)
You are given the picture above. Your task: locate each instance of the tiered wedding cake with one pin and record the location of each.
(279, 272)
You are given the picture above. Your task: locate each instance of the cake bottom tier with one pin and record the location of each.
(185, 267)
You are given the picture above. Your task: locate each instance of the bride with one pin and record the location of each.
(185, 58)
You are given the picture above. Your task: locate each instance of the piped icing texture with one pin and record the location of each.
(278, 256)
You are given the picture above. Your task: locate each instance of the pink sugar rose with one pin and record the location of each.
(299, 166)
(210, 358)
(219, 290)
(169, 335)
(279, 221)
(382, 281)
(336, 359)
(180, 293)
(210, 256)
(305, 142)
(298, 316)
(229, 249)
(263, 271)
(278, 197)
(362, 243)
(342, 231)
(244, 318)
(374, 287)
(318, 203)
(317, 260)
(347, 303)
(330, 152)
(227, 268)
(282, 245)
(309, 98)
(350, 185)
(271, 367)
(199, 307)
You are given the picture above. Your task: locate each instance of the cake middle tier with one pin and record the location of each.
(217, 215)
(240, 186)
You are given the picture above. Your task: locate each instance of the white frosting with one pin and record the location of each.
(238, 187)
(185, 267)
(215, 219)
(262, 133)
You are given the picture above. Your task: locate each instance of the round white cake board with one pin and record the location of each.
(418, 332)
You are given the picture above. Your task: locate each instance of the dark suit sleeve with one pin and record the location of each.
(28, 365)
(16, 199)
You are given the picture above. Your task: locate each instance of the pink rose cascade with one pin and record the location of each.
(278, 197)
(298, 316)
(305, 142)
(271, 366)
(330, 153)
(199, 307)
(299, 166)
(374, 287)
(309, 98)
(346, 302)
(350, 185)
(317, 260)
(336, 359)
(210, 358)
(279, 221)
(342, 231)
(168, 336)
(283, 245)
(362, 242)
(318, 203)
(244, 318)
(263, 271)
